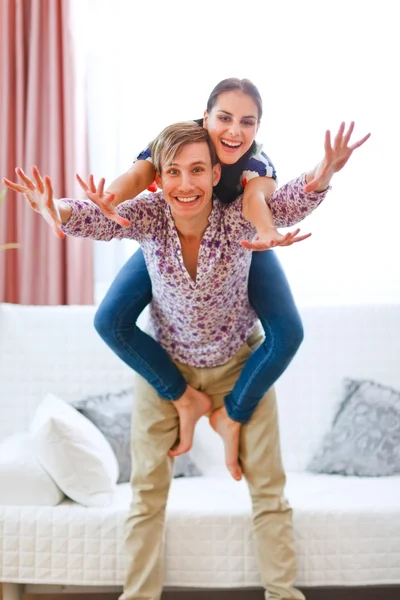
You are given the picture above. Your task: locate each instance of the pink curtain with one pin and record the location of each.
(38, 126)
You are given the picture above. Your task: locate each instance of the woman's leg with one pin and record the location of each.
(271, 298)
(115, 322)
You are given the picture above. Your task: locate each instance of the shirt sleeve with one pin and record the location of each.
(257, 165)
(145, 213)
(144, 155)
(290, 204)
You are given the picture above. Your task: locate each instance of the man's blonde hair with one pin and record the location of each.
(174, 138)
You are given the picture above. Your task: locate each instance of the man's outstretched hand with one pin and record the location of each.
(104, 200)
(39, 194)
(336, 156)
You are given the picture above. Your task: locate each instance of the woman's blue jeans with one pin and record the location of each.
(271, 298)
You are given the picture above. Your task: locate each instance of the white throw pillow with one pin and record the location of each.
(74, 453)
(23, 480)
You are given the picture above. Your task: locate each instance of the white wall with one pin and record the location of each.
(315, 64)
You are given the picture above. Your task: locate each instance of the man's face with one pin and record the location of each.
(188, 182)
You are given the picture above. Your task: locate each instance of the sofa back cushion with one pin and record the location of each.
(51, 349)
(357, 342)
(360, 342)
(56, 350)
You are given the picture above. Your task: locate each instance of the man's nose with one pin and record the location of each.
(186, 182)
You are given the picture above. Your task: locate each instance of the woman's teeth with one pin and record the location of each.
(187, 200)
(231, 144)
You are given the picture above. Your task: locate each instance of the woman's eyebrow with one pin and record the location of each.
(231, 114)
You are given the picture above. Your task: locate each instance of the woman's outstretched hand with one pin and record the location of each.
(336, 156)
(273, 238)
(102, 199)
(39, 194)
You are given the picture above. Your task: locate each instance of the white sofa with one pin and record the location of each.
(347, 529)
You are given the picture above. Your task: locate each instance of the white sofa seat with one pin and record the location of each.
(347, 533)
(347, 530)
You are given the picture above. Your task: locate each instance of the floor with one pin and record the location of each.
(386, 593)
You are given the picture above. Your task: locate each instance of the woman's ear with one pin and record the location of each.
(205, 119)
(158, 181)
(216, 174)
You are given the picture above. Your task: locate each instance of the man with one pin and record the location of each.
(199, 273)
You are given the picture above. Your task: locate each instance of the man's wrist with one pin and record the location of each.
(118, 197)
(265, 229)
(64, 210)
(324, 185)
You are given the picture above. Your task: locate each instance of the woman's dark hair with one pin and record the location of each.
(236, 85)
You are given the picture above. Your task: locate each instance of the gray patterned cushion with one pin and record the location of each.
(365, 436)
(111, 413)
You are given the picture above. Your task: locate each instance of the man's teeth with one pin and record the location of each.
(187, 199)
(231, 144)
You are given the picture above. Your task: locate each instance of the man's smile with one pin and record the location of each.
(187, 199)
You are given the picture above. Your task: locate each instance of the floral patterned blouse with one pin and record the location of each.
(202, 322)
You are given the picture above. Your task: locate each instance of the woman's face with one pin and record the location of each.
(232, 124)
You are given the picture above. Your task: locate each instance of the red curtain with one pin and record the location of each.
(39, 126)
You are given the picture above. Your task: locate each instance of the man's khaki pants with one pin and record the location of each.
(154, 431)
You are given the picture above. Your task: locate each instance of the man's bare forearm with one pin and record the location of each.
(64, 210)
(323, 185)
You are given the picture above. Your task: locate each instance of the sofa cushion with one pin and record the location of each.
(364, 438)
(23, 480)
(111, 413)
(74, 453)
(347, 532)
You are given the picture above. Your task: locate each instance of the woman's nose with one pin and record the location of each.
(234, 128)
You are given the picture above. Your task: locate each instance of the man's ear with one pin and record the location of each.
(158, 181)
(205, 119)
(216, 174)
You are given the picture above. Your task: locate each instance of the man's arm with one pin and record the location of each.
(128, 185)
(64, 210)
(256, 196)
(336, 157)
(78, 218)
(297, 199)
(290, 204)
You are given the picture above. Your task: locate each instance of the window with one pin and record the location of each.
(150, 64)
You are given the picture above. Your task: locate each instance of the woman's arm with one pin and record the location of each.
(130, 184)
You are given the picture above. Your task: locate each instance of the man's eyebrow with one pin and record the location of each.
(196, 162)
(231, 115)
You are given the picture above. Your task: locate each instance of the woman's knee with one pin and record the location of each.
(104, 322)
(295, 334)
(285, 335)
